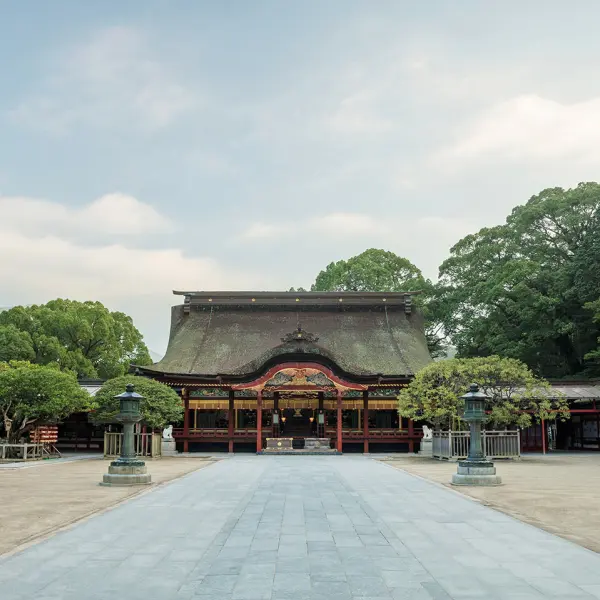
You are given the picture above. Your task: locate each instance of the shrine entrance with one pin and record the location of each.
(297, 423)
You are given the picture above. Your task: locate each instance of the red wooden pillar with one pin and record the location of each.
(230, 422)
(543, 436)
(186, 419)
(275, 426)
(366, 421)
(411, 433)
(339, 421)
(259, 421)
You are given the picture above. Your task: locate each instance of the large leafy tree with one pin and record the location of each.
(15, 344)
(520, 289)
(31, 395)
(594, 355)
(517, 396)
(382, 271)
(160, 407)
(371, 271)
(83, 337)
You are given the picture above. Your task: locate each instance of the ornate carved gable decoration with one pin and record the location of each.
(299, 378)
(300, 335)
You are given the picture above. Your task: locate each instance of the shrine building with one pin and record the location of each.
(253, 366)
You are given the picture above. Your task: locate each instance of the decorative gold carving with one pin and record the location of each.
(300, 335)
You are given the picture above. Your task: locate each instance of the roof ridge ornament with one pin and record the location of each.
(300, 335)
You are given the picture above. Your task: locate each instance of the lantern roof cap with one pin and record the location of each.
(474, 393)
(129, 393)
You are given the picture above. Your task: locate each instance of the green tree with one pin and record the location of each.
(83, 337)
(383, 271)
(594, 355)
(372, 271)
(31, 395)
(160, 407)
(15, 344)
(520, 289)
(517, 396)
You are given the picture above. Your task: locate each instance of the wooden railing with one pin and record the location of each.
(250, 433)
(214, 432)
(145, 444)
(21, 452)
(454, 445)
(389, 433)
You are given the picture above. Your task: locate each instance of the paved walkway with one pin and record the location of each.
(300, 528)
(28, 464)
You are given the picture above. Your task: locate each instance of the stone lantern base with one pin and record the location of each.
(476, 473)
(123, 474)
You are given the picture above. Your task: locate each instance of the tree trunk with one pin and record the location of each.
(7, 425)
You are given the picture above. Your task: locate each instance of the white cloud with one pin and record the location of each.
(334, 224)
(346, 224)
(529, 127)
(50, 266)
(261, 231)
(423, 240)
(358, 114)
(137, 281)
(41, 260)
(111, 214)
(113, 79)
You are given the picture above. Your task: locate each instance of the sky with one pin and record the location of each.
(153, 145)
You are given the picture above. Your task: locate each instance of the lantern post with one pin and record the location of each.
(476, 469)
(128, 469)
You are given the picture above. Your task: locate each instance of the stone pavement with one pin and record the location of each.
(301, 528)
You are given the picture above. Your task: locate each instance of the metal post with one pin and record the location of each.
(128, 447)
(475, 447)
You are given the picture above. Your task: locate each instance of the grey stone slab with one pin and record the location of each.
(291, 582)
(292, 565)
(217, 583)
(363, 585)
(553, 587)
(225, 567)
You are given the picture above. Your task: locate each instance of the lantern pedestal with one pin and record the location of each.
(123, 474)
(476, 473)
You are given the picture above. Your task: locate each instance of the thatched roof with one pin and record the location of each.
(224, 333)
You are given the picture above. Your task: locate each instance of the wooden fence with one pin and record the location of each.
(454, 445)
(21, 452)
(146, 444)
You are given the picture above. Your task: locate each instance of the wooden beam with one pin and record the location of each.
(186, 418)
(339, 421)
(259, 421)
(366, 421)
(544, 436)
(230, 423)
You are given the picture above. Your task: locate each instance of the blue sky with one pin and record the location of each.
(151, 145)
